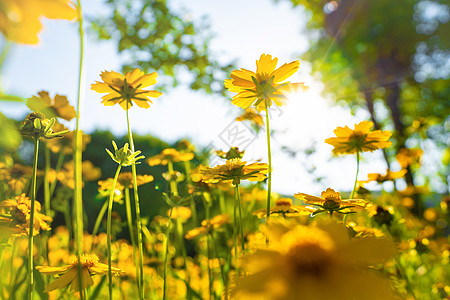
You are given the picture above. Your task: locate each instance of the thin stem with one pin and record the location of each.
(166, 253)
(108, 229)
(30, 238)
(269, 154)
(235, 240)
(208, 250)
(99, 219)
(187, 168)
(180, 232)
(138, 215)
(173, 183)
(356, 178)
(130, 228)
(77, 158)
(59, 164)
(224, 281)
(238, 200)
(46, 182)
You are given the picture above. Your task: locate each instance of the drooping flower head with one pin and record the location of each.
(20, 19)
(234, 170)
(315, 263)
(360, 139)
(265, 86)
(331, 201)
(89, 266)
(126, 89)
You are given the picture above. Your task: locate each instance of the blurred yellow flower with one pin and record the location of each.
(250, 114)
(331, 201)
(124, 89)
(180, 212)
(167, 155)
(232, 153)
(266, 85)
(66, 144)
(407, 157)
(89, 266)
(89, 173)
(314, 263)
(58, 107)
(208, 225)
(234, 170)
(360, 139)
(126, 179)
(20, 211)
(283, 207)
(20, 19)
(389, 176)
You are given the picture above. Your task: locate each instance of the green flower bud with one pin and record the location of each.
(124, 156)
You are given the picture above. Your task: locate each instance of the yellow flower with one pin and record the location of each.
(167, 155)
(20, 19)
(389, 176)
(283, 207)
(66, 144)
(89, 266)
(232, 153)
(315, 263)
(89, 173)
(234, 170)
(360, 139)
(407, 157)
(126, 179)
(208, 225)
(124, 89)
(59, 106)
(20, 210)
(251, 115)
(266, 85)
(331, 201)
(180, 212)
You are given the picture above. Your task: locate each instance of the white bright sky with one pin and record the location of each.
(256, 27)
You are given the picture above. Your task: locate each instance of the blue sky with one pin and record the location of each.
(243, 30)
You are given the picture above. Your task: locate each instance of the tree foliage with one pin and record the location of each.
(155, 37)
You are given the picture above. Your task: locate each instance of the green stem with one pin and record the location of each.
(108, 229)
(59, 164)
(238, 200)
(224, 281)
(166, 253)
(356, 178)
(31, 226)
(235, 240)
(208, 247)
(180, 232)
(187, 167)
(173, 183)
(77, 158)
(138, 215)
(46, 182)
(99, 219)
(130, 228)
(269, 154)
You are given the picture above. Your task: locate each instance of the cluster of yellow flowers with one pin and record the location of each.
(289, 250)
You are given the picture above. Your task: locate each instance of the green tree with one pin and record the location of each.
(155, 37)
(393, 54)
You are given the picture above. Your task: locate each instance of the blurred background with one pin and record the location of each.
(383, 61)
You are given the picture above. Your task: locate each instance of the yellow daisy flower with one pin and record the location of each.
(59, 106)
(20, 210)
(266, 85)
(331, 201)
(126, 89)
(167, 155)
(250, 114)
(89, 266)
(389, 176)
(283, 207)
(360, 139)
(208, 225)
(407, 157)
(126, 179)
(20, 19)
(315, 263)
(234, 170)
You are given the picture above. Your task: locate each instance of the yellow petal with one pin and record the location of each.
(62, 281)
(146, 80)
(47, 270)
(266, 65)
(285, 71)
(133, 75)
